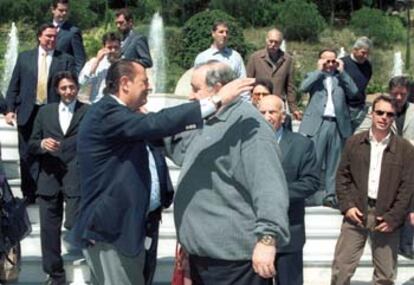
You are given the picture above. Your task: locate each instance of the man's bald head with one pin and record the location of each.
(273, 110)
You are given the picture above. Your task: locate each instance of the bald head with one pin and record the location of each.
(273, 40)
(272, 109)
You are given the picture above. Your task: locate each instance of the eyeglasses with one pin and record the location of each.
(261, 94)
(381, 113)
(331, 61)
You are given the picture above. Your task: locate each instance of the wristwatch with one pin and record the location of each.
(216, 100)
(267, 240)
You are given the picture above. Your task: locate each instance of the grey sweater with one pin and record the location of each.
(232, 186)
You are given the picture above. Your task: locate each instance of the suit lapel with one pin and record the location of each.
(55, 120)
(77, 115)
(285, 143)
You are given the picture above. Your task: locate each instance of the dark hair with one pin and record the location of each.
(43, 27)
(327, 50)
(126, 13)
(387, 98)
(219, 23)
(398, 81)
(122, 67)
(65, 75)
(56, 2)
(264, 82)
(110, 37)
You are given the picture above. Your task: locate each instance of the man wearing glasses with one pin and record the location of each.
(374, 184)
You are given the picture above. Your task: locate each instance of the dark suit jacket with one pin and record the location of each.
(58, 171)
(302, 175)
(115, 178)
(396, 178)
(135, 46)
(69, 40)
(21, 94)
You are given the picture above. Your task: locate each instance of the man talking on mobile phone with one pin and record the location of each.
(326, 120)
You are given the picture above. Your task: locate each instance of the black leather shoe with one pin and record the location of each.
(61, 280)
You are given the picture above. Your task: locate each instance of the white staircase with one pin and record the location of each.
(322, 225)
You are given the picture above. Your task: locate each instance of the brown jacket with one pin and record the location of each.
(281, 74)
(396, 181)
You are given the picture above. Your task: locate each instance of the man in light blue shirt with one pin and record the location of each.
(219, 50)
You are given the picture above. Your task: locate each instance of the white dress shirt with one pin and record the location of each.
(329, 108)
(97, 80)
(66, 114)
(376, 154)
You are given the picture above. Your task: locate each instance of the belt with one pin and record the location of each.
(330, 119)
(372, 202)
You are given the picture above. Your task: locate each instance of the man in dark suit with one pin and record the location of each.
(302, 175)
(326, 120)
(69, 39)
(31, 87)
(114, 169)
(53, 142)
(133, 45)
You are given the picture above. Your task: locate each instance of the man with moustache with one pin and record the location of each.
(69, 39)
(301, 170)
(95, 70)
(115, 173)
(30, 88)
(133, 45)
(275, 65)
(374, 186)
(53, 142)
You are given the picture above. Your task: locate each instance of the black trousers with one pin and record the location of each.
(210, 271)
(152, 231)
(29, 168)
(289, 268)
(51, 217)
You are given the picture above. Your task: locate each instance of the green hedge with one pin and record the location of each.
(382, 29)
(300, 20)
(196, 36)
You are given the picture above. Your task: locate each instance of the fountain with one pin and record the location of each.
(283, 46)
(157, 48)
(342, 52)
(397, 69)
(10, 58)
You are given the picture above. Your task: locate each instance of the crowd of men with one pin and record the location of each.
(245, 177)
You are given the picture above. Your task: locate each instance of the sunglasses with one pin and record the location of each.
(381, 113)
(331, 61)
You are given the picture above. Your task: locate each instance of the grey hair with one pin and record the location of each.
(363, 42)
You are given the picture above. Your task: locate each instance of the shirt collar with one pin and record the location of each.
(118, 100)
(279, 134)
(224, 50)
(70, 106)
(42, 51)
(384, 141)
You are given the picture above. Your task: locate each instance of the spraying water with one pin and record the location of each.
(342, 52)
(10, 57)
(283, 46)
(397, 69)
(157, 48)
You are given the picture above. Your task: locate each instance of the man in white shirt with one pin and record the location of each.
(326, 119)
(374, 184)
(53, 143)
(219, 50)
(94, 71)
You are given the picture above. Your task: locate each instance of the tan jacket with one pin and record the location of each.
(396, 181)
(281, 74)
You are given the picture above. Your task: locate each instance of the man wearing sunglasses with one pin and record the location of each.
(403, 125)
(374, 184)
